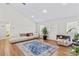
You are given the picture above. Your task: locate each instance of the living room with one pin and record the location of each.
(53, 24)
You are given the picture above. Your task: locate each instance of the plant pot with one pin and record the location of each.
(45, 37)
(75, 40)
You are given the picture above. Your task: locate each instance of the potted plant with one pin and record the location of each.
(74, 50)
(45, 33)
(76, 37)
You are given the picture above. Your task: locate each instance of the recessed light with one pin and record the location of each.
(44, 11)
(32, 16)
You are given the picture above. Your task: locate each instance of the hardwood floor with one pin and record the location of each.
(7, 49)
(61, 51)
(4, 47)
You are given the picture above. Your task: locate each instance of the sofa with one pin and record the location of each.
(64, 40)
(23, 38)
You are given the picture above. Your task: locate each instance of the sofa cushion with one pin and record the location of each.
(64, 42)
(19, 39)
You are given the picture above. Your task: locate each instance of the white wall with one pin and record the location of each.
(54, 28)
(19, 23)
(58, 26)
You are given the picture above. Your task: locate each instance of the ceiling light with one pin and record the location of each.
(44, 11)
(32, 16)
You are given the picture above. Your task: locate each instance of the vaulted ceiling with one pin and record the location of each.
(46, 11)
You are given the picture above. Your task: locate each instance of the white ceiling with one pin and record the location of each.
(54, 10)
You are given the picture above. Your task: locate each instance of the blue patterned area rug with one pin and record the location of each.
(36, 48)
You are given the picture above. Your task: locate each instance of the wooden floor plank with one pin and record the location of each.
(7, 49)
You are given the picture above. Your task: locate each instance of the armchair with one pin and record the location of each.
(63, 40)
